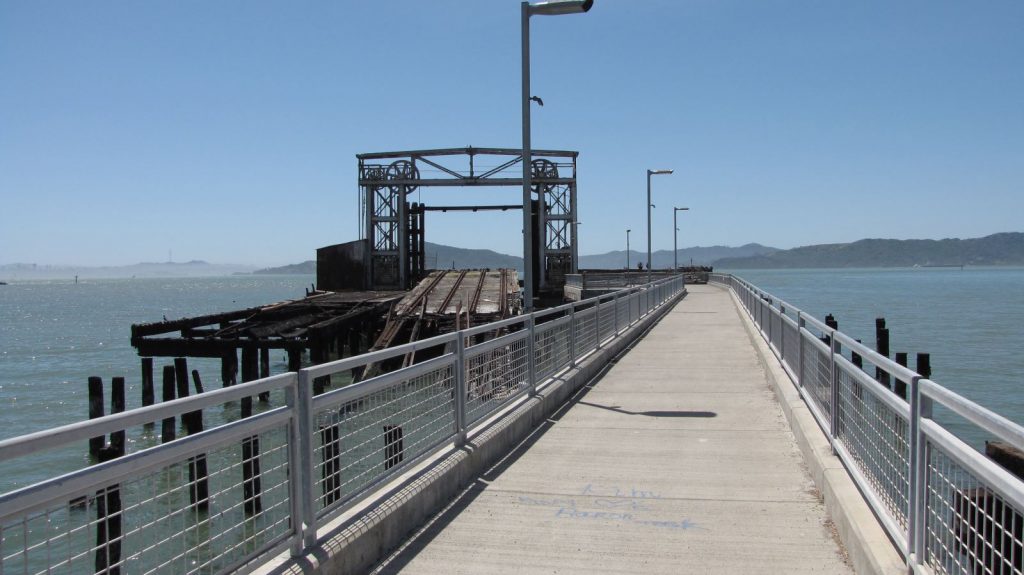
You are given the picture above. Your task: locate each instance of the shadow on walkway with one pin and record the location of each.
(618, 409)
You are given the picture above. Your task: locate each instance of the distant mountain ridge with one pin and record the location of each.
(1000, 249)
(664, 258)
(307, 267)
(440, 256)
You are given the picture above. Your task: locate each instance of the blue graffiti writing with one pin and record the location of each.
(615, 491)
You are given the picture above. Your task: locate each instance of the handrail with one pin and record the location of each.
(934, 503)
(299, 464)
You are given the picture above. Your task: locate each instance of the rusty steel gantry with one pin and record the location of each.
(394, 228)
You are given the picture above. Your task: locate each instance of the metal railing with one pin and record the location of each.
(948, 508)
(226, 498)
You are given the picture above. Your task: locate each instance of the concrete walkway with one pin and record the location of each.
(677, 460)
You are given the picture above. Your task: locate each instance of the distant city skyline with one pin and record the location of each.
(228, 132)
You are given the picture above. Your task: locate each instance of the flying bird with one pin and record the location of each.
(537, 99)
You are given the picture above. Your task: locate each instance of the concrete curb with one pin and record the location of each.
(869, 547)
(360, 538)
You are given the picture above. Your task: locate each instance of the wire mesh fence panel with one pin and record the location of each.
(970, 528)
(171, 520)
(586, 331)
(494, 376)
(358, 442)
(817, 370)
(776, 329)
(606, 321)
(551, 347)
(622, 311)
(790, 344)
(877, 438)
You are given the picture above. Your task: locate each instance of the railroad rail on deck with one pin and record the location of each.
(445, 301)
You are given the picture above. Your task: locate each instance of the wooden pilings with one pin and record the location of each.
(108, 499)
(117, 438)
(830, 321)
(148, 396)
(856, 359)
(95, 410)
(882, 347)
(167, 432)
(108, 523)
(198, 485)
(330, 437)
(924, 365)
(899, 387)
(393, 446)
(251, 484)
(294, 359)
(264, 372)
(229, 369)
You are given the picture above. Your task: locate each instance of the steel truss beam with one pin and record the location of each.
(394, 256)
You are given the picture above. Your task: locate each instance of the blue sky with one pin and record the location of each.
(227, 131)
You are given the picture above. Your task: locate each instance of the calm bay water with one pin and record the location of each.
(54, 334)
(971, 321)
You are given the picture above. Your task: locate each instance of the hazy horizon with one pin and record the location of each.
(242, 266)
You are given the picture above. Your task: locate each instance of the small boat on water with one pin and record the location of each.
(3, 283)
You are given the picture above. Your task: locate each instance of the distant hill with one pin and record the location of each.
(307, 267)
(663, 258)
(444, 257)
(995, 250)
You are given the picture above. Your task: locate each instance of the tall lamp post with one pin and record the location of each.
(675, 238)
(552, 8)
(627, 249)
(649, 206)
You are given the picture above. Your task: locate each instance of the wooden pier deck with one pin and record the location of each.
(677, 460)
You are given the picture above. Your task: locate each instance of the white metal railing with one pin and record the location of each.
(226, 498)
(949, 508)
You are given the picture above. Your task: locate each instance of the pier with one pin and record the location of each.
(676, 459)
(656, 428)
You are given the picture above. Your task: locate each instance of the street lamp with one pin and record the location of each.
(675, 238)
(627, 249)
(552, 8)
(649, 206)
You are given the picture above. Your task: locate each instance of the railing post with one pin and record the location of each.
(597, 323)
(460, 389)
(305, 405)
(917, 473)
(295, 466)
(572, 335)
(801, 324)
(782, 333)
(615, 306)
(633, 299)
(833, 393)
(531, 362)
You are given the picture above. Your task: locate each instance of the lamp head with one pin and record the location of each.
(558, 7)
(658, 172)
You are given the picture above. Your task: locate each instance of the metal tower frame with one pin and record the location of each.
(394, 229)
